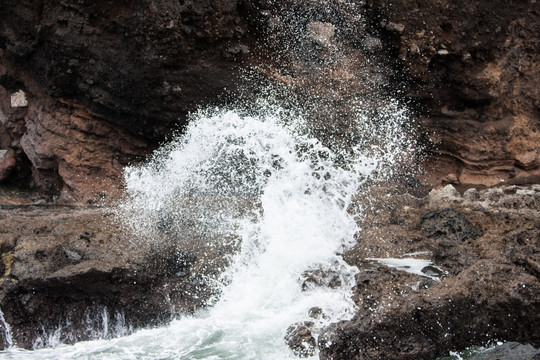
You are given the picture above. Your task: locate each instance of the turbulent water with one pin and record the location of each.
(257, 181)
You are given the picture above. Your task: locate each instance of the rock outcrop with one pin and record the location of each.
(471, 67)
(99, 84)
(488, 249)
(70, 274)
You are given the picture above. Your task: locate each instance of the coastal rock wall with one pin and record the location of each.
(472, 70)
(87, 87)
(469, 70)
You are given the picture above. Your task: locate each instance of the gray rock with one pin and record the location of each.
(394, 27)
(510, 351)
(447, 194)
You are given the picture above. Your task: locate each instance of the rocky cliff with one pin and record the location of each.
(88, 87)
(100, 83)
(472, 69)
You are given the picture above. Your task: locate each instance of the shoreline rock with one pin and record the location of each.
(70, 274)
(491, 287)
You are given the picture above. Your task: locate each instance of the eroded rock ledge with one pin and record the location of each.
(88, 87)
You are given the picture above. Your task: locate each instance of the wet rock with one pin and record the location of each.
(477, 305)
(321, 33)
(510, 351)
(238, 49)
(316, 313)
(300, 339)
(321, 278)
(488, 291)
(451, 255)
(450, 225)
(432, 271)
(65, 270)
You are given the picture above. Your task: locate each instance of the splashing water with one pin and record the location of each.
(283, 198)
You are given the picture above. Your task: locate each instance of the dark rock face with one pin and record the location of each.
(102, 82)
(67, 151)
(140, 65)
(472, 66)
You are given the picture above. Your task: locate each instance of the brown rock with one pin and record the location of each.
(67, 269)
(103, 85)
(7, 163)
(483, 72)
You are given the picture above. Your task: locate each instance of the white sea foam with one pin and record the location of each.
(257, 177)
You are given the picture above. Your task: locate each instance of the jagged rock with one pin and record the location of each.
(449, 224)
(445, 194)
(300, 339)
(321, 278)
(489, 289)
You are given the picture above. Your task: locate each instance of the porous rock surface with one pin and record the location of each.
(488, 250)
(103, 81)
(472, 66)
(117, 77)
